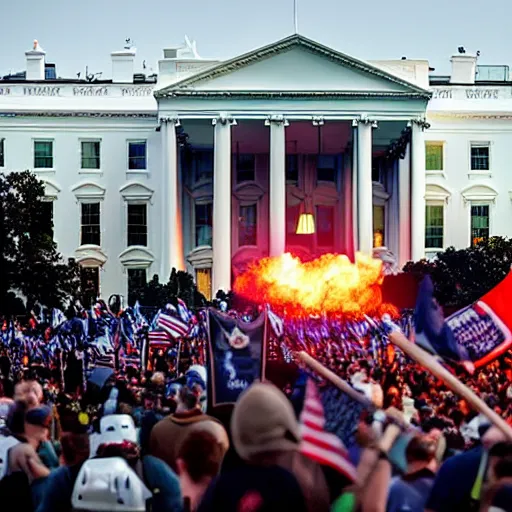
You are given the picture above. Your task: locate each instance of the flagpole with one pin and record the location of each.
(327, 374)
(296, 16)
(430, 363)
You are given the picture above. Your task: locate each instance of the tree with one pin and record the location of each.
(29, 262)
(463, 276)
(180, 286)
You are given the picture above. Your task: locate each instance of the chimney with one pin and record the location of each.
(123, 66)
(181, 62)
(463, 68)
(35, 63)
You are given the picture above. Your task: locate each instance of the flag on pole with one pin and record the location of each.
(318, 444)
(158, 337)
(172, 325)
(474, 335)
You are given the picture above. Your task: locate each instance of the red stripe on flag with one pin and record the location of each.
(318, 444)
(174, 326)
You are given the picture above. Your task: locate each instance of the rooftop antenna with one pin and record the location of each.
(296, 16)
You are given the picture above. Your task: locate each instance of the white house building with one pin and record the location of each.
(291, 147)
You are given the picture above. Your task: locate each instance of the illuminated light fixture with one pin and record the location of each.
(306, 224)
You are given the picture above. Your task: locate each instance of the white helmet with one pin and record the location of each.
(114, 428)
(109, 485)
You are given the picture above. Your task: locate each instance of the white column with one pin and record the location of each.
(393, 220)
(355, 193)
(404, 207)
(418, 190)
(221, 273)
(277, 202)
(364, 185)
(172, 239)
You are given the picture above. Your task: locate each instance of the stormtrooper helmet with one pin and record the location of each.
(109, 485)
(117, 428)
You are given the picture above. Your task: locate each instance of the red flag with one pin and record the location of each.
(318, 444)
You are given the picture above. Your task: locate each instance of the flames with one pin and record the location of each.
(330, 285)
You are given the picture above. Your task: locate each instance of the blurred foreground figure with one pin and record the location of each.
(169, 434)
(275, 475)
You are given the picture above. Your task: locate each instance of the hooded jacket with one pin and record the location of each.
(265, 432)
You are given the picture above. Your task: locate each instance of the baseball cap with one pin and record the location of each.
(40, 416)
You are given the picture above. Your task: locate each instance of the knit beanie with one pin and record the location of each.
(263, 421)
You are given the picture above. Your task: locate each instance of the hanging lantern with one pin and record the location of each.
(306, 224)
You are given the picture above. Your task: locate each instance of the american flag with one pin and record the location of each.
(318, 444)
(158, 337)
(172, 325)
(185, 313)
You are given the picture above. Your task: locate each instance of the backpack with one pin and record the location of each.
(109, 485)
(6, 443)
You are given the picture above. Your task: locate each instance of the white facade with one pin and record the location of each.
(465, 117)
(292, 99)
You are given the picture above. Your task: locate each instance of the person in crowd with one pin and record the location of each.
(256, 489)
(25, 473)
(411, 490)
(159, 478)
(59, 484)
(29, 391)
(266, 434)
(168, 435)
(199, 461)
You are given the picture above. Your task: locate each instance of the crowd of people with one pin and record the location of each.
(145, 441)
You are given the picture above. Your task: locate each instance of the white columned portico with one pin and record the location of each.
(172, 239)
(404, 207)
(277, 193)
(418, 189)
(364, 184)
(221, 272)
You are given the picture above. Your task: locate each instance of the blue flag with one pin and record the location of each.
(432, 332)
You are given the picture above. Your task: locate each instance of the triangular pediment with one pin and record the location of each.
(294, 65)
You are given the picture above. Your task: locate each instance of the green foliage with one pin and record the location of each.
(180, 286)
(29, 262)
(462, 276)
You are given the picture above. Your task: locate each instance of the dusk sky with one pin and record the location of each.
(79, 33)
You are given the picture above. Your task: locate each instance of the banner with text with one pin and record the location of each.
(237, 352)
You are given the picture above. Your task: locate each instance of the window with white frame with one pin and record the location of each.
(434, 226)
(43, 154)
(90, 154)
(434, 156)
(480, 223)
(137, 155)
(137, 225)
(46, 220)
(2, 152)
(247, 225)
(202, 164)
(90, 233)
(203, 224)
(480, 156)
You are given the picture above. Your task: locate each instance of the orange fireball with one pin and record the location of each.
(330, 285)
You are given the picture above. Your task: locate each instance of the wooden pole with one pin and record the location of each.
(430, 363)
(334, 379)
